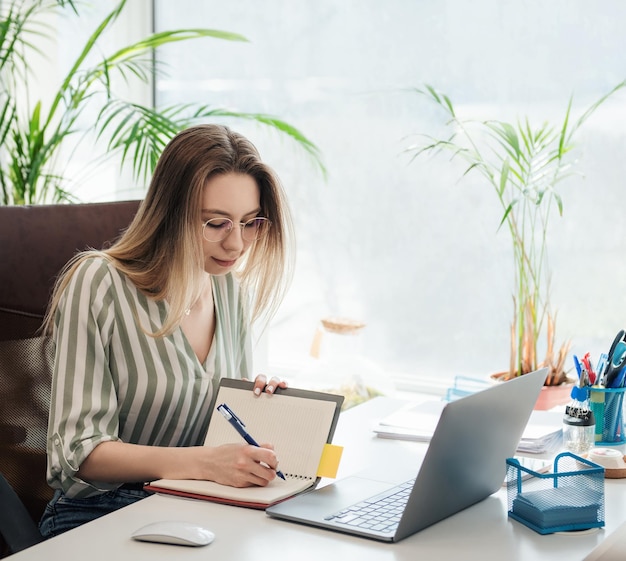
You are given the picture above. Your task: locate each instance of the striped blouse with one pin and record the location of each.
(113, 382)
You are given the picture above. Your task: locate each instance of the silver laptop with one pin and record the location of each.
(464, 464)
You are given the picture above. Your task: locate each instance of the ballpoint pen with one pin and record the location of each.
(600, 367)
(239, 426)
(577, 365)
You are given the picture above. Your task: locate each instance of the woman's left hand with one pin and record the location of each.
(262, 385)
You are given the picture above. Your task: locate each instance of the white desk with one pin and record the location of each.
(480, 532)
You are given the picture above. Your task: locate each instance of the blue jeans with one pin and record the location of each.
(62, 513)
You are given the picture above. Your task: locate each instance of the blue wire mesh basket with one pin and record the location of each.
(571, 497)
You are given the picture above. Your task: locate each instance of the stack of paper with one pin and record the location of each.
(543, 433)
(413, 422)
(558, 506)
(418, 422)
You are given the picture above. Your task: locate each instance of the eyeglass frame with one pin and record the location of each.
(265, 225)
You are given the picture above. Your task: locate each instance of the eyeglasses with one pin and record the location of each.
(218, 229)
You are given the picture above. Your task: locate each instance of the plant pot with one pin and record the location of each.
(553, 396)
(550, 396)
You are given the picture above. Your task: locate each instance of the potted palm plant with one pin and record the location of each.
(524, 166)
(33, 132)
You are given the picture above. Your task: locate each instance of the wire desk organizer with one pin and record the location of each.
(569, 498)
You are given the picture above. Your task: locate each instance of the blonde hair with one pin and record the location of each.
(161, 250)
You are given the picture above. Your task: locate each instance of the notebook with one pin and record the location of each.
(465, 463)
(298, 423)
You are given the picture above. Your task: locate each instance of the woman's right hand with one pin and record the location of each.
(238, 465)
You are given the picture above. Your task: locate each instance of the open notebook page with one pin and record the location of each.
(297, 427)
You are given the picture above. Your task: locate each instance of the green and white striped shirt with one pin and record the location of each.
(114, 382)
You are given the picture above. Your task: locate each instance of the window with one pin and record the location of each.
(405, 246)
(92, 176)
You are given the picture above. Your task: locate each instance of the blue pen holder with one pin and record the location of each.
(607, 405)
(569, 498)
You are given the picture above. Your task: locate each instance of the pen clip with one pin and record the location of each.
(229, 414)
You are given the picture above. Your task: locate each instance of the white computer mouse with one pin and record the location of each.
(174, 532)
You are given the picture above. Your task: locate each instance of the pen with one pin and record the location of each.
(241, 428)
(577, 365)
(600, 368)
(587, 362)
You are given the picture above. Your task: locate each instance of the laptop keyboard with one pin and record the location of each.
(380, 512)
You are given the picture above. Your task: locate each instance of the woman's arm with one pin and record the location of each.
(237, 465)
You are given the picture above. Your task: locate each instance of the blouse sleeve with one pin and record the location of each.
(83, 409)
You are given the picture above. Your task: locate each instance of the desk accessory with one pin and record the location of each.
(569, 498)
(605, 387)
(579, 421)
(578, 431)
(465, 385)
(299, 423)
(612, 460)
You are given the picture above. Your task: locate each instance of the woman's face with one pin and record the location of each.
(232, 196)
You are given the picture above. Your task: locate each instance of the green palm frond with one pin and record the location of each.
(141, 133)
(31, 139)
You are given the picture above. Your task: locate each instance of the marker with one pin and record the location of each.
(240, 428)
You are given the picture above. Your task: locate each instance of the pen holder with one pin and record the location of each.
(607, 405)
(569, 498)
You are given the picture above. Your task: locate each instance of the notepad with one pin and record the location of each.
(298, 423)
(558, 506)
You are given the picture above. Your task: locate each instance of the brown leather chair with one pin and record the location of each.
(35, 243)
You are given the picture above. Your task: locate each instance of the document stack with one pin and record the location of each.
(418, 421)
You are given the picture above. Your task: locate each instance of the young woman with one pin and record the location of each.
(144, 330)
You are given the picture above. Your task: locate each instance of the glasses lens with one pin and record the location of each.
(216, 229)
(255, 228)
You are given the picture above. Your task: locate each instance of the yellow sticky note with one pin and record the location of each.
(329, 462)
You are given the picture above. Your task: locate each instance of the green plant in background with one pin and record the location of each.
(524, 165)
(32, 134)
